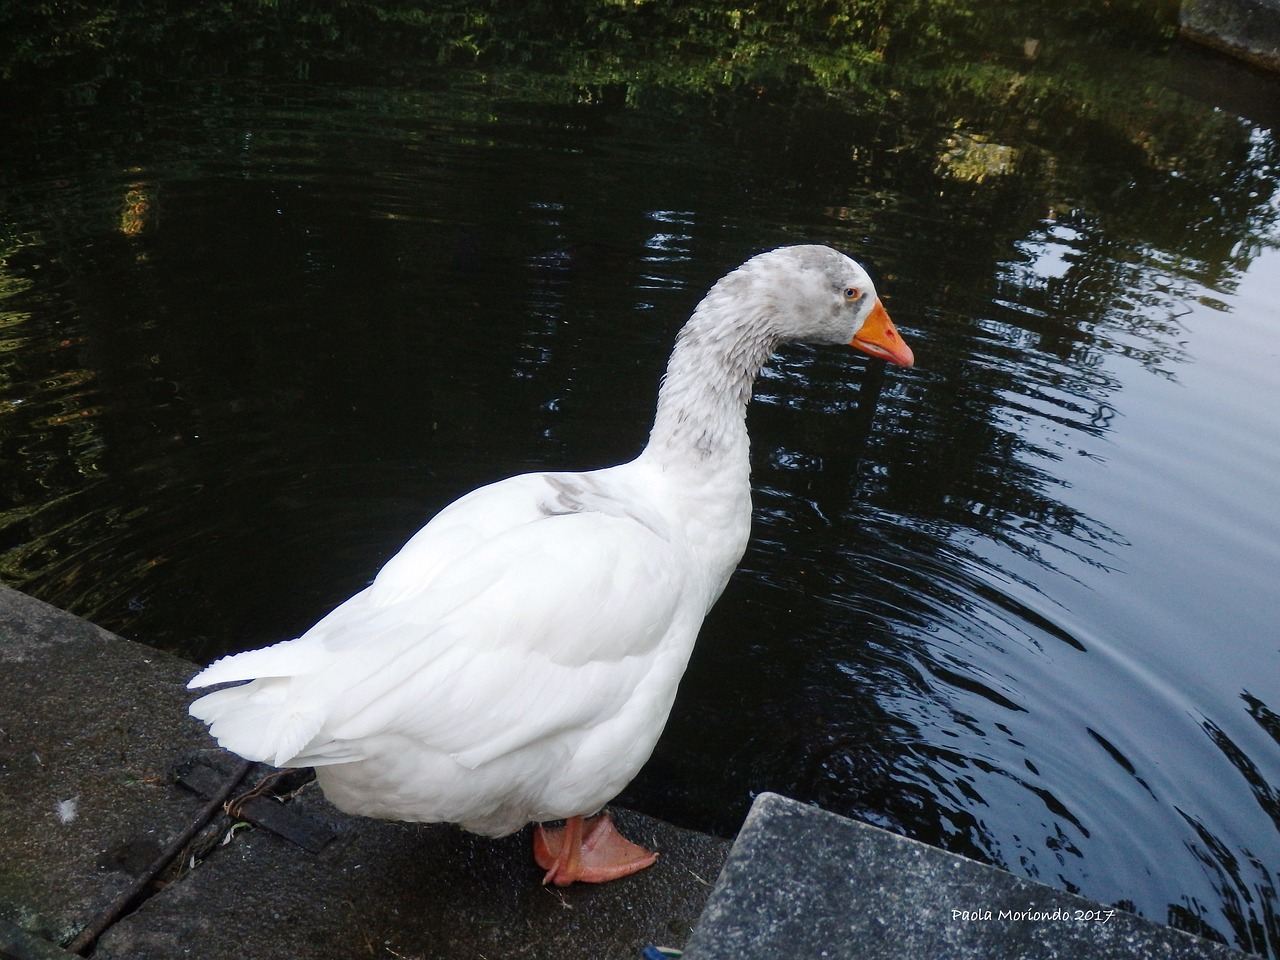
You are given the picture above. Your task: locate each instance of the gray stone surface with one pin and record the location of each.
(1248, 29)
(89, 727)
(402, 890)
(89, 717)
(801, 882)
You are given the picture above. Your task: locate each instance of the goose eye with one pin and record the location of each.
(852, 293)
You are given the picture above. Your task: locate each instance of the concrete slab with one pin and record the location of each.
(801, 882)
(92, 728)
(401, 890)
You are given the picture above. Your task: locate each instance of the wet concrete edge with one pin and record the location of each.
(94, 730)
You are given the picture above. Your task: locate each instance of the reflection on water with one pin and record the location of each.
(1017, 602)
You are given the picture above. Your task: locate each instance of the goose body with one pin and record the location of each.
(516, 661)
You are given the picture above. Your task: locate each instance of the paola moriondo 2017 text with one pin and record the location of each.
(1056, 915)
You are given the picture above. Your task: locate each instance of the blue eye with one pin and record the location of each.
(852, 293)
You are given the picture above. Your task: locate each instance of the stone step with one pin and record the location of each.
(96, 746)
(94, 729)
(802, 882)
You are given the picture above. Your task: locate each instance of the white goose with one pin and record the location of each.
(516, 661)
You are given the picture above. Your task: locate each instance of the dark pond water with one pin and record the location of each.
(1019, 602)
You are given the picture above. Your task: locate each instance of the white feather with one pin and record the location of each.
(67, 810)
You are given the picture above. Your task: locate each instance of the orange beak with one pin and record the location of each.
(880, 338)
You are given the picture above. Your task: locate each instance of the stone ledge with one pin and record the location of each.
(101, 722)
(801, 882)
(1247, 29)
(88, 717)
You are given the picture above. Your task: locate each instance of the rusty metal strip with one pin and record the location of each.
(125, 898)
(262, 810)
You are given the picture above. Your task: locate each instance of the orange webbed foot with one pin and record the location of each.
(592, 851)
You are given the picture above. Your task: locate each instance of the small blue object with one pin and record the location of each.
(660, 953)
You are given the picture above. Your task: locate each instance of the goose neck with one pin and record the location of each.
(701, 414)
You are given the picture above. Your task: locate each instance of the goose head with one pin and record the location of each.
(816, 294)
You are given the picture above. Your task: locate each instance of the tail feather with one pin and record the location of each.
(286, 659)
(256, 721)
(294, 687)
